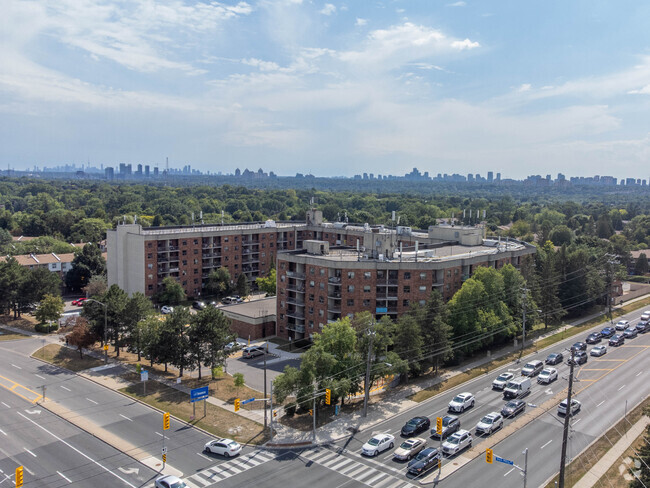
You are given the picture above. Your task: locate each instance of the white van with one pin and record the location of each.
(517, 388)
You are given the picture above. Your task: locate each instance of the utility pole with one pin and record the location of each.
(366, 385)
(525, 466)
(567, 418)
(271, 410)
(265, 353)
(314, 415)
(523, 322)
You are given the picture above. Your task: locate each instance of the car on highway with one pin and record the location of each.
(457, 442)
(165, 309)
(513, 407)
(579, 357)
(409, 448)
(547, 376)
(489, 423)
(79, 302)
(461, 402)
(415, 426)
(378, 443)
(594, 338)
(252, 351)
(575, 407)
(579, 346)
(598, 351)
(500, 381)
(622, 324)
(554, 358)
(199, 305)
(425, 460)
(532, 368)
(223, 447)
(617, 340)
(170, 481)
(450, 425)
(645, 316)
(608, 332)
(630, 333)
(642, 327)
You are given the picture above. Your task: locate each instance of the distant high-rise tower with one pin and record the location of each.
(498, 176)
(490, 176)
(146, 170)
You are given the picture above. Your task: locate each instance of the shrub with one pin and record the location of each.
(45, 328)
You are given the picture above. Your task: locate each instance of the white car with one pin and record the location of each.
(622, 324)
(165, 309)
(547, 375)
(461, 402)
(170, 481)
(488, 424)
(646, 316)
(457, 442)
(598, 350)
(377, 444)
(501, 381)
(234, 346)
(223, 447)
(575, 407)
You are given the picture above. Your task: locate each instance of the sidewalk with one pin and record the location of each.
(595, 474)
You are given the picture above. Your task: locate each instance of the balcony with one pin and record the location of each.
(334, 280)
(334, 309)
(295, 301)
(296, 328)
(296, 314)
(297, 289)
(295, 275)
(381, 282)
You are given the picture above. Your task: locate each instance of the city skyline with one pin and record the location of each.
(328, 87)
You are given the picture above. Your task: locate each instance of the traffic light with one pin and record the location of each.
(19, 476)
(166, 421)
(311, 412)
(439, 425)
(488, 456)
(328, 396)
(237, 404)
(275, 413)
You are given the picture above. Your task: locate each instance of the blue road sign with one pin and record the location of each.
(198, 394)
(244, 402)
(504, 461)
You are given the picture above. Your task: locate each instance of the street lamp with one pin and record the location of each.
(105, 328)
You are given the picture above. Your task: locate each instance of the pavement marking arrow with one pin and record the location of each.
(33, 412)
(549, 391)
(129, 470)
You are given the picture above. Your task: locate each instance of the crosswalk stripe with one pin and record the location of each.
(341, 464)
(323, 459)
(388, 479)
(361, 467)
(219, 471)
(189, 483)
(332, 461)
(376, 478)
(198, 478)
(349, 468)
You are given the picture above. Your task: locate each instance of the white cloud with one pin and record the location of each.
(361, 22)
(642, 91)
(328, 9)
(465, 44)
(524, 87)
(262, 65)
(457, 4)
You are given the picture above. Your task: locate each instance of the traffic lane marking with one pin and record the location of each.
(64, 476)
(12, 386)
(92, 401)
(124, 416)
(621, 387)
(546, 444)
(600, 403)
(639, 373)
(30, 452)
(66, 388)
(613, 369)
(15, 366)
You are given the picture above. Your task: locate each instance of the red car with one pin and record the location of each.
(79, 302)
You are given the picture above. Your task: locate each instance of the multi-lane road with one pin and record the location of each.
(57, 453)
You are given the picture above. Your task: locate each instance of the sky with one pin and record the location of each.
(331, 89)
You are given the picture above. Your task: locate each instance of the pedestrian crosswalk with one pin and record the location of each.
(353, 469)
(232, 467)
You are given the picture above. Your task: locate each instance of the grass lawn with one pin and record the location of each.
(217, 421)
(66, 358)
(8, 335)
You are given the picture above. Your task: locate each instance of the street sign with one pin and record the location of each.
(244, 402)
(504, 461)
(198, 394)
(164, 450)
(105, 347)
(144, 375)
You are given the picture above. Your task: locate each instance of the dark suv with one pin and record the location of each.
(579, 346)
(554, 358)
(416, 425)
(594, 338)
(617, 340)
(608, 332)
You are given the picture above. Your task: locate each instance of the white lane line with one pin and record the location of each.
(92, 401)
(621, 388)
(39, 376)
(577, 421)
(64, 476)
(600, 403)
(546, 444)
(127, 418)
(639, 373)
(6, 405)
(199, 454)
(29, 452)
(509, 472)
(17, 367)
(158, 433)
(66, 388)
(78, 451)
(3, 432)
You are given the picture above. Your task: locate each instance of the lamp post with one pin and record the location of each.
(105, 328)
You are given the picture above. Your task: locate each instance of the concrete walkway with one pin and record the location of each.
(595, 474)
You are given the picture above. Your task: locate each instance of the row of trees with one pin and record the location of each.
(22, 288)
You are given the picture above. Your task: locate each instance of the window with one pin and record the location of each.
(264, 245)
(350, 302)
(184, 262)
(236, 265)
(185, 243)
(282, 278)
(236, 238)
(150, 287)
(236, 248)
(311, 297)
(149, 244)
(196, 271)
(407, 289)
(423, 288)
(366, 303)
(456, 272)
(225, 239)
(311, 324)
(350, 275)
(322, 271)
(321, 299)
(196, 241)
(312, 271)
(320, 325)
(367, 275)
(184, 252)
(320, 313)
(350, 288)
(196, 261)
(150, 265)
(422, 303)
(423, 276)
(405, 303)
(150, 255)
(282, 265)
(312, 283)
(196, 251)
(448, 273)
(366, 289)
(311, 310)
(225, 248)
(281, 316)
(407, 275)
(150, 276)
(270, 244)
(321, 286)
(196, 281)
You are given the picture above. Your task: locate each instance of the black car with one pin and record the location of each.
(579, 346)
(450, 425)
(608, 332)
(425, 460)
(630, 333)
(580, 357)
(617, 340)
(554, 358)
(415, 426)
(594, 338)
(513, 407)
(641, 327)
(198, 305)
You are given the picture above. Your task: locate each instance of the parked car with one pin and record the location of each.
(377, 444)
(500, 381)
(554, 358)
(237, 299)
(252, 351)
(409, 448)
(608, 332)
(532, 368)
(622, 324)
(641, 327)
(170, 481)
(579, 346)
(165, 309)
(488, 424)
(630, 333)
(594, 338)
(199, 305)
(598, 351)
(575, 407)
(579, 357)
(450, 425)
(223, 447)
(425, 460)
(415, 426)
(461, 402)
(548, 375)
(457, 442)
(617, 340)
(513, 407)
(214, 304)
(79, 302)
(227, 300)
(234, 346)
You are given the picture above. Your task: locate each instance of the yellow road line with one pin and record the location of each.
(594, 369)
(612, 360)
(613, 369)
(15, 386)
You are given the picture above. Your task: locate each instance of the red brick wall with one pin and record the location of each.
(254, 331)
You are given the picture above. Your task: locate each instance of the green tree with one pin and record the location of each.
(12, 277)
(643, 455)
(208, 334)
(138, 307)
(604, 227)
(176, 329)
(546, 288)
(436, 332)
(97, 285)
(89, 230)
(50, 309)
(641, 264)
(409, 343)
(172, 292)
(218, 282)
(267, 283)
(37, 283)
(86, 263)
(561, 235)
(242, 286)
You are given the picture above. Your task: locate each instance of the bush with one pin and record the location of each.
(45, 328)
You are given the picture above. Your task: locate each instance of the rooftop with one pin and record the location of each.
(264, 307)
